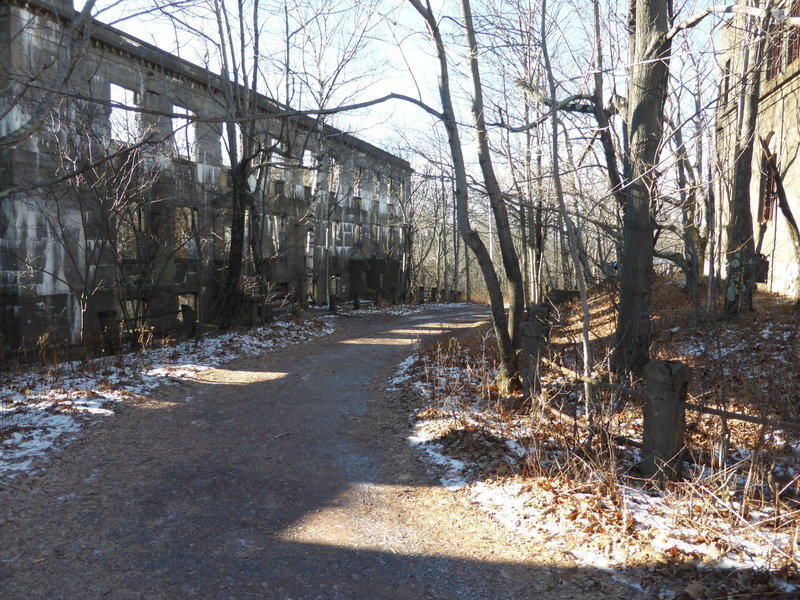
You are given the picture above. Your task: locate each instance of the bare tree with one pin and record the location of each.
(649, 24)
(506, 327)
(104, 182)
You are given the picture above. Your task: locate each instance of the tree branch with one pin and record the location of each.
(777, 15)
(70, 174)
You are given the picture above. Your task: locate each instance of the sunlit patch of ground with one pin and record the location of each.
(46, 406)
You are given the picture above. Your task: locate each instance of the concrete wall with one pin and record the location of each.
(61, 261)
(779, 106)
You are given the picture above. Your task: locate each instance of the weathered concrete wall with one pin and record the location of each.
(778, 124)
(60, 244)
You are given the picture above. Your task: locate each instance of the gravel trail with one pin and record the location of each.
(286, 476)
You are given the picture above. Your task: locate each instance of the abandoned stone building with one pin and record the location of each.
(775, 171)
(116, 186)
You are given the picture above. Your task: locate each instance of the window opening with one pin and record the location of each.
(793, 46)
(726, 83)
(183, 133)
(134, 312)
(224, 242)
(190, 301)
(774, 53)
(123, 122)
(310, 241)
(225, 143)
(333, 179)
(186, 232)
(279, 234)
(768, 196)
(130, 228)
(359, 181)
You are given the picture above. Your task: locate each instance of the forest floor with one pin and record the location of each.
(278, 463)
(729, 528)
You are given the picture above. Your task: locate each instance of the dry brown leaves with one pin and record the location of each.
(572, 493)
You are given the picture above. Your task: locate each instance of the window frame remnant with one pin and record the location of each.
(768, 190)
(186, 243)
(130, 228)
(124, 125)
(184, 138)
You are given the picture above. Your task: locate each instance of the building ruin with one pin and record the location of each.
(140, 236)
(774, 168)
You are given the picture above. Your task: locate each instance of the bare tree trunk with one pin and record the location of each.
(603, 123)
(238, 101)
(650, 48)
(507, 250)
(538, 233)
(508, 375)
(741, 246)
(571, 233)
(688, 195)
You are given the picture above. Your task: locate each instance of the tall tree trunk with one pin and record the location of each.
(688, 205)
(650, 48)
(506, 240)
(572, 234)
(231, 292)
(508, 371)
(741, 245)
(603, 123)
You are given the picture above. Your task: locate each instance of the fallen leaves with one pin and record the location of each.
(588, 500)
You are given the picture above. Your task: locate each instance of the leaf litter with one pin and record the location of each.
(730, 526)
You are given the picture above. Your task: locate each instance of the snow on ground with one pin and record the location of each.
(601, 524)
(44, 408)
(402, 374)
(369, 308)
(345, 309)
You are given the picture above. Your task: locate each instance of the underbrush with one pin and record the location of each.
(730, 525)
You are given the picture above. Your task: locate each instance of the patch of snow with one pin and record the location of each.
(368, 308)
(453, 469)
(514, 446)
(40, 413)
(402, 374)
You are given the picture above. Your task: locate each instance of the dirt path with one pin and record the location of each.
(284, 476)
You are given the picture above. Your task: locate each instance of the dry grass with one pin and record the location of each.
(739, 500)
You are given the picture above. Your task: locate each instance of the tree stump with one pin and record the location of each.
(109, 330)
(664, 419)
(534, 333)
(189, 317)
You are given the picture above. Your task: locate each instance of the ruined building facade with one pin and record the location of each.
(112, 217)
(775, 170)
